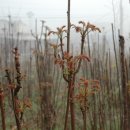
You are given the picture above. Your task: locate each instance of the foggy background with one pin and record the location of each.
(23, 13)
(54, 11)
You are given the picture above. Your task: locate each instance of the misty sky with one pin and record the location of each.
(50, 7)
(54, 11)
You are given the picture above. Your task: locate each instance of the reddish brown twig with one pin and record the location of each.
(2, 109)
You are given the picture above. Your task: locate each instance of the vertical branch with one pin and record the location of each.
(67, 108)
(2, 109)
(123, 82)
(117, 70)
(72, 111)
(12, 87)
(114, 44)
(18, 77)
(17, 89)
(68, 49)
(68, 32)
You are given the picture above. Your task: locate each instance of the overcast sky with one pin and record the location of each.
(54, 11)
(54, 7)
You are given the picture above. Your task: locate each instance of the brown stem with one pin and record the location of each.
(72, 82)
(68, 32)
(84, 119)
(123, 81)
(67, 108)
(13, 100)
(70, 103)
(18, 77)
(61, 45)
(2, 109)
(82, 47)
(18, 86)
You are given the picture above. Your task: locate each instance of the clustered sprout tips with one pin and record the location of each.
(85, 28)
(59, 31)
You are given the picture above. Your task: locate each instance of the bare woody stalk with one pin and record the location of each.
(68, 30)
(43, 64)
(116, 59)
(128, 95)
(18, 87)
(11, 86)
(123, 82)
(71, 82)
(2, 109)
(68, 49)
(117, 70)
